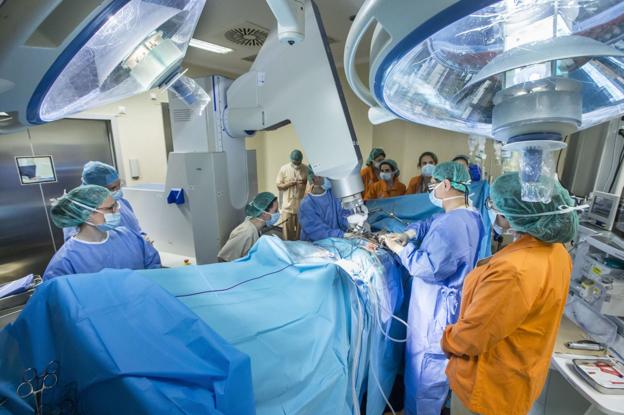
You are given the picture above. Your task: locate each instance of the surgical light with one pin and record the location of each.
(524, 72)
(210, 47)
(130, 47)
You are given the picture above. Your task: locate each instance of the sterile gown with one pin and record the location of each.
(128, 219)
(444, 251)
(122, 249)
(321, 216)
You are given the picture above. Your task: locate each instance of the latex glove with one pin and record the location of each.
(392, 243)
(348, 235)
(405, 237)
(356, 220)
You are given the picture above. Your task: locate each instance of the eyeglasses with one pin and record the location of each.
(113, 208)
(431, 186)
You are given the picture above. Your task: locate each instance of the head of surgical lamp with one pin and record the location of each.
(524, 72)
(122, 48)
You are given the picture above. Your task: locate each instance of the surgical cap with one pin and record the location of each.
(506, 193)
(296, 155)
(69, 210)
(260, 204)
(310, 174)
(101, 174)
(455, 173)
(392, 164)
(375, 152)
(462, 157)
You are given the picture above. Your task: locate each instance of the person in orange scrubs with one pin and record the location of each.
(512, 303)
(370, 173)
(389, 185)
(426, 163)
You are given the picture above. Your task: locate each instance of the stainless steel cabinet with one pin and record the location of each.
(28, 239)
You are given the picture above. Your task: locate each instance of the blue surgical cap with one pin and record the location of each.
(98, 173)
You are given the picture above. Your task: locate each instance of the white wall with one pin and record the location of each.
(141, 135)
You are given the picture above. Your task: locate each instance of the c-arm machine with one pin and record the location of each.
(294, 80)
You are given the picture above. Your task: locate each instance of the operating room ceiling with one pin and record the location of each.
(244, 21)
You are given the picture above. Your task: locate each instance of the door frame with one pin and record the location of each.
(115, 137)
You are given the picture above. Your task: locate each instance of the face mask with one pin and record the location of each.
(327, 184)
(493, 215)
(427, 169)
(386, 176)
(296, 166)
(376, 164)
(112, 220)
(117, 195)
(273, 220)
(434, 199)
(440, 202)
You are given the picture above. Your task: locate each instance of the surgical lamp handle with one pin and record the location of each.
(364, 18)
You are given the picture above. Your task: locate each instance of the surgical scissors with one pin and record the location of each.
(34, 384)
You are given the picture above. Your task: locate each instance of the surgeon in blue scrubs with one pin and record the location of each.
(320, 213)
(102, 174)
(100, 241)
(438, 253)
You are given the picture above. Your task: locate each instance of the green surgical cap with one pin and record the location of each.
(375, 152)
(455, 173)
(260, 204)
(506, 193)
(69, 210)
(96, 172)
(296, 155)
(392, 164)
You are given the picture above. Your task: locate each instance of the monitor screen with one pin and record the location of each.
(602, 206)
(35, 169)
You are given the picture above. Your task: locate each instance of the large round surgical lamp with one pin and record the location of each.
(524, 72)
(59, 58)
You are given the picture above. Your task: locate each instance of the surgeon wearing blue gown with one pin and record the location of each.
(102, 174)
(100, 242)
(438, 253)
(320, 213)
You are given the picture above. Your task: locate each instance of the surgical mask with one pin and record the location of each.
(327, 184)
(296, 166)
(376, 164)
(436, 200)
(111, 221)
(493, 215)
(386, 176)
(117, 194)
(273, 220)
(427, 169)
